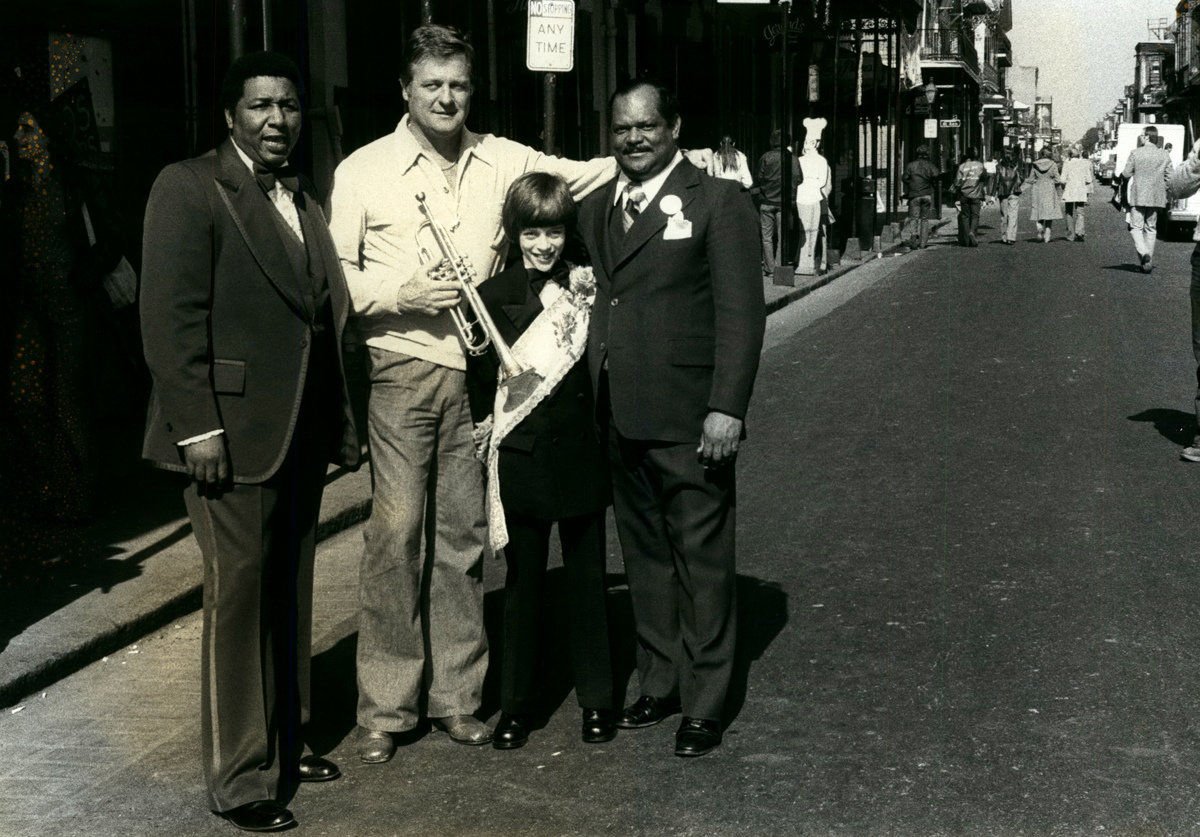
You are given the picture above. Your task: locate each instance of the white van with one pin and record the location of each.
(1180, 214)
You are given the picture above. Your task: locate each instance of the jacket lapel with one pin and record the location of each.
(323, 247)
(600, 223)
(249, 207)
(682, 182)
(522, 305)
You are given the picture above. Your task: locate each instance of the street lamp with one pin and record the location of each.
(931, 93)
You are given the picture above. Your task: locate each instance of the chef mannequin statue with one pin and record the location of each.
(811, 194)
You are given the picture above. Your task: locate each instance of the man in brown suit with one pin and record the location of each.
(242, 305)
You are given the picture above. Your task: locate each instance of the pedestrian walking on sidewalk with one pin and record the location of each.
(242, 306)
(546, 463)
(768, 193)
(1006, 188)
(971, 191)
(674, 247)
(920, 181)
(1145, 175)
(1045, 206)
(1182, 183)
(1077, 190)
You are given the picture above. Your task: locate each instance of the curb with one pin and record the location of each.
(168, 586)
(842, 269)
(101, 623)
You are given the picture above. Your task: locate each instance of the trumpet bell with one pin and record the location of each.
(519, 387)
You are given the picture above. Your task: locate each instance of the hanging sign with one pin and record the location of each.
(814, 83)
(550, 38)
(931, 129)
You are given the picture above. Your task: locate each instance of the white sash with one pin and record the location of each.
(553, 343)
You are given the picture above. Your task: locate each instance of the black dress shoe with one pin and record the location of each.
(599, 725)
(696, 736)
(647, 711)
(265, 815)
(512, 731)
(317, 769)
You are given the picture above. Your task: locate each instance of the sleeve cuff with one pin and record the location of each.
(191, 441)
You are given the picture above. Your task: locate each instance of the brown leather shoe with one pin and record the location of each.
(375, 746)
(264, 815)
(464, 729)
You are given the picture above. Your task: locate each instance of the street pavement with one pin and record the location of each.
(967, 598)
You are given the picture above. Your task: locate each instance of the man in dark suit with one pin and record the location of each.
(242, 307)
(673, 352)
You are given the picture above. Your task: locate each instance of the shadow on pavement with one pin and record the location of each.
(1175, 425)
(762, 614)
(1128, 268)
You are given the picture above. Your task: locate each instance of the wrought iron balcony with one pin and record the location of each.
(949, 45)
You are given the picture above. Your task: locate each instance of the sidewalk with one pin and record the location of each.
(144, 575)
(778, 296)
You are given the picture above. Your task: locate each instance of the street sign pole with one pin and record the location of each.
(785, 269)
(550, 49)
(549, 100)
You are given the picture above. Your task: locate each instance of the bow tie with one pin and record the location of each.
(538, 279)
(284, 174)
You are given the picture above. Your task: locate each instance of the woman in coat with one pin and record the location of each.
(545, 462)
(1046, 205)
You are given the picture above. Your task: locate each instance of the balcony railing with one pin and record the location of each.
(949, 45)
(990, 75)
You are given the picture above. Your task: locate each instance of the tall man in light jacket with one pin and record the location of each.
(1146, 193)
(673, 351)
(1182, 183)
(423, 562)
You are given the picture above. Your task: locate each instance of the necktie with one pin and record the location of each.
(633, 205)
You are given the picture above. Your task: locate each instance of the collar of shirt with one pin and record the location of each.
(246, 159)
(411, 149)
(649, 187)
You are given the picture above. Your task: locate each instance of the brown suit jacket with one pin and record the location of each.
(228, 321)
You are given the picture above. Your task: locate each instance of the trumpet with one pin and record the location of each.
(471, 318)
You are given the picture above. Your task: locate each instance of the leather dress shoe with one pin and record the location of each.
(599, 725)
(317, 769)
(264, 815)
(512, 731)
(647, 711)
(696, 736)
(375, 746)
(464, 729)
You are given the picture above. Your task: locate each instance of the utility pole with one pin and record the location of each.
(426, 11)
(237, 29)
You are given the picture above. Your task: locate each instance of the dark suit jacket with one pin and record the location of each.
(552, 465)
(228, 319)
(681, 321)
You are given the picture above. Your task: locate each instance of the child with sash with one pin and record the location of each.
(545, 461)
